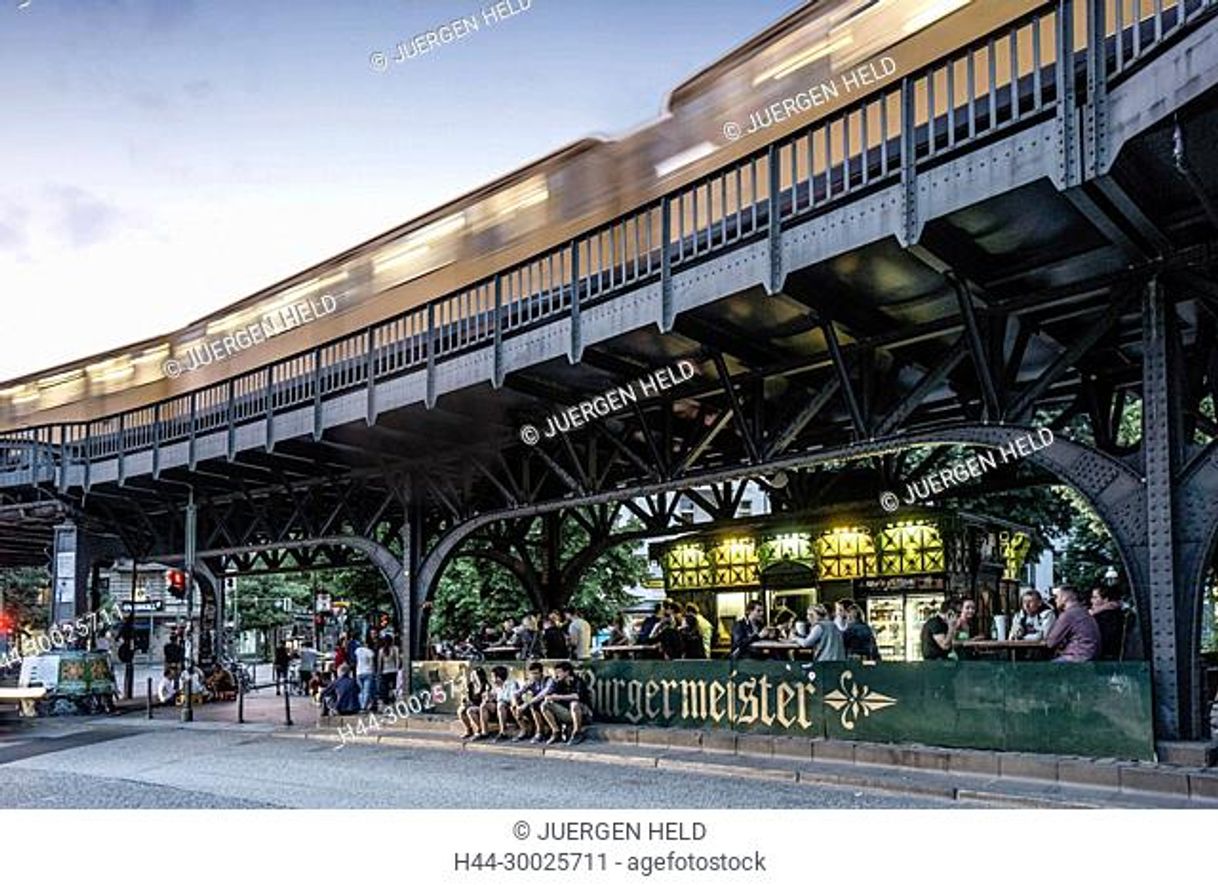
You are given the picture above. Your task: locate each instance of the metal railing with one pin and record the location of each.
(1000, 81)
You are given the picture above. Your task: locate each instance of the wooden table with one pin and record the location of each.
(779, 645)
(999, 646)
(500, 652)
(629, 651)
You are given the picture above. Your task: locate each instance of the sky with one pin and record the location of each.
(160, 159)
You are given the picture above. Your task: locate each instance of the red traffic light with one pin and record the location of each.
(6, 622)
(175, 582)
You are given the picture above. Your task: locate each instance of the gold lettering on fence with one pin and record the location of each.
(668, 685)
(717, 692)
(748, 702)
(634, 691)
(693, 699)
(786, 694)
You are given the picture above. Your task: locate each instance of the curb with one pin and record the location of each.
(989, 793)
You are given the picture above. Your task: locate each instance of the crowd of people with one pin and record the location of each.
(842, 636)
(1072, 631)
(544, 708)
(563, 633)
(366, 673)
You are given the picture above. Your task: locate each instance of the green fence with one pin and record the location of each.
(1100, 709)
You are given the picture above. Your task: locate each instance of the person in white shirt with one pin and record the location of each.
(365, 675)
(192, 681)
(580, 633)
(166, 690)
(498, 701)
(1034, 620)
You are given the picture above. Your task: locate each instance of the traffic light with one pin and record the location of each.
(6, 622)
(175, 583)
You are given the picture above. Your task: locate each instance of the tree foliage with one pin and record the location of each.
(22, 587)
(475, 591)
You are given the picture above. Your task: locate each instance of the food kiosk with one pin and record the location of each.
(899, 569)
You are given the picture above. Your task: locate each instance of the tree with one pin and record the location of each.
(260, 599)
(474, 591)
(23, 589)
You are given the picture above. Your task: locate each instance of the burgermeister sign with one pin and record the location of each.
(693, 696)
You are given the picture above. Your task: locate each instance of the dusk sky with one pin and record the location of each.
(162, 158)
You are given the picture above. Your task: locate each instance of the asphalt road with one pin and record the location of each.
(108, 767)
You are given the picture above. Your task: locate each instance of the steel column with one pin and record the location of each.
(1159, 445)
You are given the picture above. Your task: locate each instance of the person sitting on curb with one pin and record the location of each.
(497, 701)
(342, 695)
(477, 689)
(221, 685)
(567, 703)
(166, 690)
(527, 704)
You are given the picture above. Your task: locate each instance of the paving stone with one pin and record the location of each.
(925, 758)
(659, 737)
(1194, 754)
(1090, 772)
(755, 745)
(833, 751)
(617, 734)
(972, 762)
(877, 754)
(718, 741)
(682, 738)
(799, 748)
(1203, 785)
(1027, 765)
(1146, 778)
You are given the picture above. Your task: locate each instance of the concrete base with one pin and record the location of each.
(1195, 754)
(1003, 779)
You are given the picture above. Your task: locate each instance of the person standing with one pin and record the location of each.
(554, 641)
(705, 630)
(528, 638)
(693, 646)
(579, 632)
(389, 661)
(841, 610)
(282, 660)
(365, 675)
(174, 654)
(826, 641)
(308, 663)
(859, 638)
(1116, 623)
(1075, 635)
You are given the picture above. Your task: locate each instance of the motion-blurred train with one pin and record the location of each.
(537, 207)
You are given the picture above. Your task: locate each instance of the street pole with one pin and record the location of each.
(129, 668)
(188, 710)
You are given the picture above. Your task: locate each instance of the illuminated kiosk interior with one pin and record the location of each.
(898, 569)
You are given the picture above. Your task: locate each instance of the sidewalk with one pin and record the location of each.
(262, 707)
(996, 778)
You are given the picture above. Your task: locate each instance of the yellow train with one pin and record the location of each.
(809, 65)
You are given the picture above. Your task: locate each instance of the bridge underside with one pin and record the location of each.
(1039, 300)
